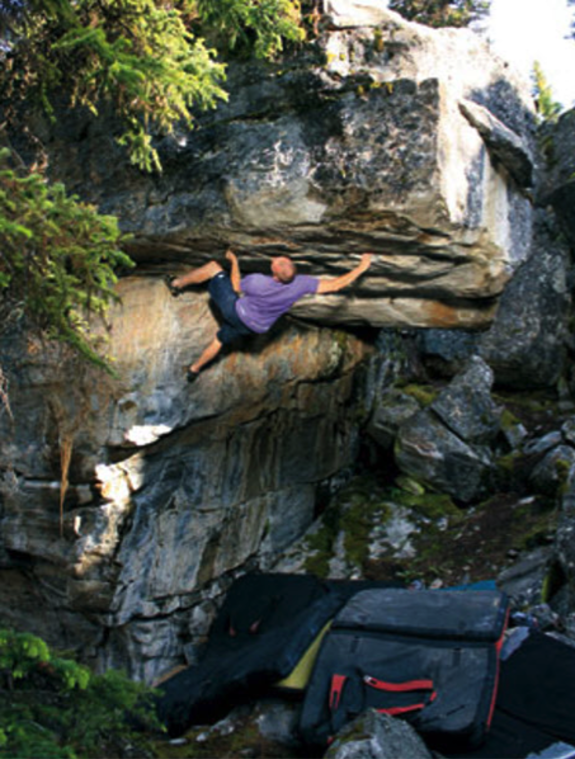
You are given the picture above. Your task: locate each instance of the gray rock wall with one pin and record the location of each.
(172, 486)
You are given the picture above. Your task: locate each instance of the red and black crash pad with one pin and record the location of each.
(430, 657)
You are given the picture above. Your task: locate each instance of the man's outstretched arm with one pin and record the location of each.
(338, 283)
(235, 277)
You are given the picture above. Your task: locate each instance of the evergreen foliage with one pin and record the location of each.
(145, 57)
(246, 25)
(55, 707)
(439, 13)
(58, 259)
(548, 108)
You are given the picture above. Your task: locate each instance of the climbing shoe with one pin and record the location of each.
(192, 376)
(174, 291)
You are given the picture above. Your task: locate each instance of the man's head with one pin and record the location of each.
(283, 269)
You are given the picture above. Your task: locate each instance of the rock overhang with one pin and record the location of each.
(389, 145)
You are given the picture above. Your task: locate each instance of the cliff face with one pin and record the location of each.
(171, 485)
(392, 138)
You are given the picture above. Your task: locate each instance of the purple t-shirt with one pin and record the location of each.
(265, 299)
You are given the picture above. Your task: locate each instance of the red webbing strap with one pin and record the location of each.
(398, 687)
(498, 647)
(404, 687)
(393, 710)
(337, 683)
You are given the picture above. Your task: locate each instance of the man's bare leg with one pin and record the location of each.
(208, 355)
(197, 276)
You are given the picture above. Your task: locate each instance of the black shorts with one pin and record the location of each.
(224, 296)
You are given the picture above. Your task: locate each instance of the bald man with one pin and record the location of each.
(251, 305)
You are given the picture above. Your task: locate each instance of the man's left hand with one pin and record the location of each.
(365, 261)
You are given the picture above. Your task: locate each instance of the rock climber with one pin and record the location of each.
(252, 304)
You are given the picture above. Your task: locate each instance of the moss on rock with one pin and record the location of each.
(423, 394)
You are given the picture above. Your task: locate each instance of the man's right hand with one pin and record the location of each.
(327, 286)
(235, 276)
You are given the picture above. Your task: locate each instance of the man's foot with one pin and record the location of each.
(192, 376)
(169, 280)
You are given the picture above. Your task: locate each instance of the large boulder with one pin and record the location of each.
(447, 446)
(466, 407)
(429, 452)
(387, 135)
(394, 408)
(526, 345)
(551, 473)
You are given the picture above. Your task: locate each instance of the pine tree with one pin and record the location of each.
(547, 107)
(439, 13)
(53, 706)
(58, 259)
